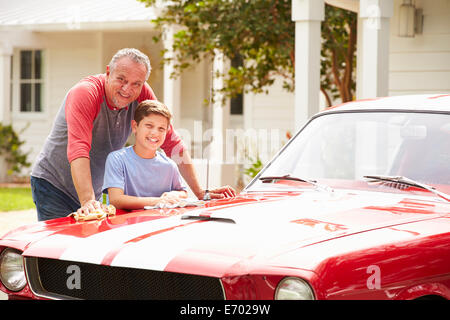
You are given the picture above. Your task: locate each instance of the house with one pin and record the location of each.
(47, 46)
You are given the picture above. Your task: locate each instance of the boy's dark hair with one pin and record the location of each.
(148, 107)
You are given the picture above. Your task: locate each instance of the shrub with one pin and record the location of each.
(10, 149)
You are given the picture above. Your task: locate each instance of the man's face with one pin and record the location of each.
(150, 132)
(124, 83)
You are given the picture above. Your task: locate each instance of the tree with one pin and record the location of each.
(338, 54)
(260, 33)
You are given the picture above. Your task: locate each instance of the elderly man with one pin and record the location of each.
(93, 120)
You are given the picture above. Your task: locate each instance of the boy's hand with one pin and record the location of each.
(171, 197)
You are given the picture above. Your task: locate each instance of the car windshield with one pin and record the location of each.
(339, 149)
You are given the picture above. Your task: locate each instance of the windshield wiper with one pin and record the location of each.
(409, 182)
(289, 177)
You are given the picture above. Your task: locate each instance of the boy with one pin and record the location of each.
(139, 175)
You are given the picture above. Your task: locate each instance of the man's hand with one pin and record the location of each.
(89, 206)
(81, 176)
(219, 193)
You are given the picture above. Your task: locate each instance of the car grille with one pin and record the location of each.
(50, 278)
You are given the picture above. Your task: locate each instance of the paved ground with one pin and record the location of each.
(14, 219)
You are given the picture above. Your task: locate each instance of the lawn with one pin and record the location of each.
(12, 199)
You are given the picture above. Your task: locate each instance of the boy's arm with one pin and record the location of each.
(122, 201)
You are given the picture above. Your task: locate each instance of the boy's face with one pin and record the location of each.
(150, 132)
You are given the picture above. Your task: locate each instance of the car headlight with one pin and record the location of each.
(12, 273)
(291, 288)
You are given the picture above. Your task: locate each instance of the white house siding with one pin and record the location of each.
(194, 91)
(267, 120)
(194, 108)
(272, 115)
(421, 64)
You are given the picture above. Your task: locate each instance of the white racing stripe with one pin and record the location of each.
(157, 251)
(94, 248)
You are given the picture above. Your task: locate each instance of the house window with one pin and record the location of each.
(237, 102)
(30, 81)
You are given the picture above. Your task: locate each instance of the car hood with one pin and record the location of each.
(225, 237)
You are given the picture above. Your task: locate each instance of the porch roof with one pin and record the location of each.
(69, 14)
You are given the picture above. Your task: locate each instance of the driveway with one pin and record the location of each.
(14, 219)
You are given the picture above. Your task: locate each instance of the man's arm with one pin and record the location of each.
(82, 106)
(122, 201)
(189, 174)
(82, 180)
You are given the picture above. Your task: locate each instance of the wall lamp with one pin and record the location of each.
(410, 20)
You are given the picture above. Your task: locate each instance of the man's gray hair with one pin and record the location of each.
(133, 54)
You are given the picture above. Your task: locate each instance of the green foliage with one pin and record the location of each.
(255, 168)
(10, 149)
(262, 34)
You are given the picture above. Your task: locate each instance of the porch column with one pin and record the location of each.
(172, 86)
(219, 172)
(308, 15)
(373, 48)
(6, 52)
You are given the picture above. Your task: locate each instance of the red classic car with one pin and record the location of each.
(355, 206)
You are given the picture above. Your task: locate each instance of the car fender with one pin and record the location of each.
(417, 291)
